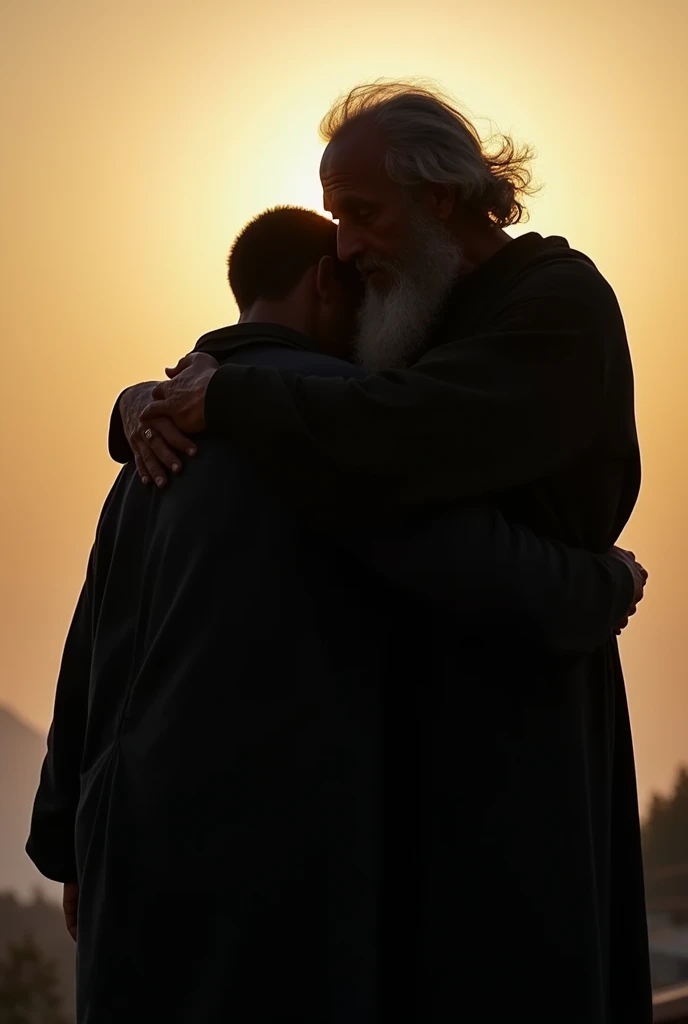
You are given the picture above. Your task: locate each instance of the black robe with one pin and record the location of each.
(215, 764)
(531, 868)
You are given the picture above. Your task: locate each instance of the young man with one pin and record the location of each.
(227, 699)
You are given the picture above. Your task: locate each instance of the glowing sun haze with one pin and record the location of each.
(139, 137)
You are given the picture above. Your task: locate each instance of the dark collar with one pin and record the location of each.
(228, 339)
(505, 262)
(517, 256)
(477, 294)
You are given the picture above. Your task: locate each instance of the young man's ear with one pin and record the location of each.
(325, 278)
(439, 200)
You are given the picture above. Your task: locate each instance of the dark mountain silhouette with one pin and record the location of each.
(44, 923)
(22, 750)
(665, 850)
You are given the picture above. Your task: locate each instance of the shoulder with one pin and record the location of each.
(318, 365)
(561, 295)
(571, 278)
(300, 361)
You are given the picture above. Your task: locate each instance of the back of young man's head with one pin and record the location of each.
(288, 255)
(272, 253)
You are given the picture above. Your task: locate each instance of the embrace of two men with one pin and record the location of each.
(340, 731)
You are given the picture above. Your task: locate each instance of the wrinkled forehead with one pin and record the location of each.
(353, 167)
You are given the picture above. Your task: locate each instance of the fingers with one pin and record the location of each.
(70, 894)
(148, 466)
(156, 410)
(197, 359)
(624, 622)
(630, 556)
(185, 361)
(141, 467)
(70, 907)
(154, 451)
(160, 391)
(156, 439)
(639, 572)
(171, 434)
(624, 556)
(70, 922)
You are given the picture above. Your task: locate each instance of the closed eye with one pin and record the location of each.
(356, 210)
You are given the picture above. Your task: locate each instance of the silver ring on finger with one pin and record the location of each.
(149, 434)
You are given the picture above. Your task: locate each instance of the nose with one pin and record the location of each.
(349, 243)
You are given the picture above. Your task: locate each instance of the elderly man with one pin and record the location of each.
(498, 367)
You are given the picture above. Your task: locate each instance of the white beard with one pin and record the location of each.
(394, 325)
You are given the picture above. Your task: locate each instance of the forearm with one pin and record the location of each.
(51, 840)
(467, 420)
(118, 445)
(118, 442)
(503, 579)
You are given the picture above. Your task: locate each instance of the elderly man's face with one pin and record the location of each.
(372, 211)
(407, 256)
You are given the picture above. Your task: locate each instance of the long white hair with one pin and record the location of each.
(429, 140)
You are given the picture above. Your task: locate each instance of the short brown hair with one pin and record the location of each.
(272, 253)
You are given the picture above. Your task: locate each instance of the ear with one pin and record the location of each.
(325, 277)
(439, 200)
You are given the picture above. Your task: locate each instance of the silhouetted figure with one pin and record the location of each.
(224, 761)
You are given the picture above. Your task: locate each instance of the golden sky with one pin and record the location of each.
(141, 135)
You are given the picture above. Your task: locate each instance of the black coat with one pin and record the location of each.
(530, 883)
(215, 768)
